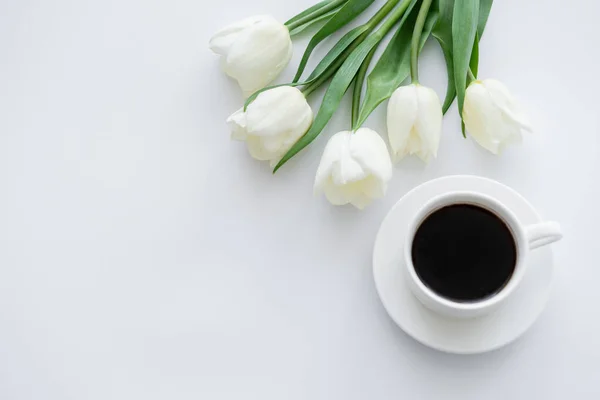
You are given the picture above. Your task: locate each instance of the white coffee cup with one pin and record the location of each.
(526, 238)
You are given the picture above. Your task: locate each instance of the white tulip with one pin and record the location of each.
(492, 116)
(414, 121)
(272, 123)
(254, 50)
(355, 168)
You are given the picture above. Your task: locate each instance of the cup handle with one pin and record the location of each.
(544, 233)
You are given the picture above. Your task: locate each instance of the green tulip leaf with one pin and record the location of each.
(485, 7)
(464, 30)
(307, 12)
(338, 49)
(315, 13)
(393, 67)
(348, 12)
(328, 65)
(358, 85)
(341, 82)
(474, 63)
(451, 88)
(443, 34)
(347, 44)
(315, 21)
(333, 96)
(443, 28)
(337, 55)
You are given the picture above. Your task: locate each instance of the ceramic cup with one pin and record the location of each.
(526, 238)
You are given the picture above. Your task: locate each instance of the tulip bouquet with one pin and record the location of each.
(276, 122)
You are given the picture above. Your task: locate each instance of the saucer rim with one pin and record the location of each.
(416, 337)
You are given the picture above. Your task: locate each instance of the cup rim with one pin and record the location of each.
(507, 217)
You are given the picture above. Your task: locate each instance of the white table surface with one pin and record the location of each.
(143, 255)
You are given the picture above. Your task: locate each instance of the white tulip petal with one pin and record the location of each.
(369, 149)
(344, 170)
(221, 41)
(254, 51)
(347, 170)
(259, 55)
(280, 109)
(274, 143)
(331, 154)
(481, 116)
(237, 124)
(304, 122)
(272, 123)
(428, 124)
(507, 103)
(354, 168)
(373, 187)
(414, 145)
(257, 149)
(337, 195)
(401, 117)
(414, 122)
(491, 116)
(361, 201)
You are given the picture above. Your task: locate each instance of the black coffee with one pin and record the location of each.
(464, 253)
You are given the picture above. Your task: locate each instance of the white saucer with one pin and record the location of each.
(458, 336)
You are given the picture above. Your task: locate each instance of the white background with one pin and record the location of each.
(143, 255)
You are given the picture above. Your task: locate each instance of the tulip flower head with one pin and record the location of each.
(355, 168)
(272, 123)
(414, 121)
(254, 51)
(492, 116)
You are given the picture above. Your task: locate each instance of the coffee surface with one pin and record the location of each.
(464, 253)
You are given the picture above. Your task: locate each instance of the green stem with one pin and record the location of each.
(371, 24)
(315, 14)
(416, 39)
(382, 13)
(358, 85)
(391, 21)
